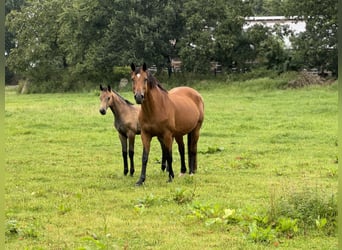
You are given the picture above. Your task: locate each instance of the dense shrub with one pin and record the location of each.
(121, 72)
(312, 210)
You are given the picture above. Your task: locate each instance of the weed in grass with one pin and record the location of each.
(202, 211)
(260, 234)
(287, 227)
(212, 150)
(94, 243)
(309, 209)
(182, 195)
(241, 162)
(321, 223)
(30, 231)
(332, 172)
(147, 201)
(12, 228)
(63, 209)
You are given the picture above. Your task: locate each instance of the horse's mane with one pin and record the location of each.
(152, 81)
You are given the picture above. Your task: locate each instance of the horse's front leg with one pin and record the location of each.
(168, 139)
(146, 141)
(131, 139)
(123, 140)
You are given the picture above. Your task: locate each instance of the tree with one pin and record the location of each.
(36, 54)
(149, 28)
(268, 46)
(9, 36)
(83, 25)
(213, 32)
(317, 46)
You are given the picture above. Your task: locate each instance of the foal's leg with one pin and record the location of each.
(131, 139)
(123, 141)
(146, 141)
(181, 151)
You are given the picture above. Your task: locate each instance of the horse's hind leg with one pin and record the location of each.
(181, 151)
(192, 150)
(167, 141)
(123, 141)
(164, 153)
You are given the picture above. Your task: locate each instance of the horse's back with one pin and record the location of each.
(187, 94)
(189, 106)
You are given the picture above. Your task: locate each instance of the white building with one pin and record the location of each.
(270, 21)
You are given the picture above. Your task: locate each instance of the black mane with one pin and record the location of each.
(152, 81)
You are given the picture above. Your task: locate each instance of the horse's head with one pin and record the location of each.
(106, 99)
(139, 81)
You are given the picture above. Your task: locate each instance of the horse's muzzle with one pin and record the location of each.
(102, 111)
(139, 98)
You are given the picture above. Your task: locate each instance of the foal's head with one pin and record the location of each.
(106, 99)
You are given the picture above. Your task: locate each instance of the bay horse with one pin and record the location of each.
(126, 122)
(168, 115)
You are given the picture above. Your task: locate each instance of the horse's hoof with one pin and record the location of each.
(181, 174)
(170, 179)
(125, 172)
(139, 183)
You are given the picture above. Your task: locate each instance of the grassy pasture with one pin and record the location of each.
(65, 187)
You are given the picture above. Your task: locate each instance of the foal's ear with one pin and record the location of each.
(109, 88)
(101, 88)
(132, 67)
(144, 67)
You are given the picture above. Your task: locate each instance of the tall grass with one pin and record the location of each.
(267, 174)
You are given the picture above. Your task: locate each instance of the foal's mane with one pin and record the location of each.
(121, 97)
(125, 100)
(152, 81)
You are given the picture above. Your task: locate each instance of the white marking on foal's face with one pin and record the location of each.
(138, 75)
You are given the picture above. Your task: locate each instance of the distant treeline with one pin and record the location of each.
(60, 44)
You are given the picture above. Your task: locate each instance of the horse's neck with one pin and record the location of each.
(156, 101)
(117, 106)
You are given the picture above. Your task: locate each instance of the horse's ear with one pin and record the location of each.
(132, 66)
(109, 88)
(101, 88)
(144, 67)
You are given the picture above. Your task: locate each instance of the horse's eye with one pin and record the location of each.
(108, 98)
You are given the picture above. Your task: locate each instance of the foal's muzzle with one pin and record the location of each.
(102, 111)
(139, 98)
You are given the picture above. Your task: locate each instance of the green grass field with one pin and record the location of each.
(267, 175)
